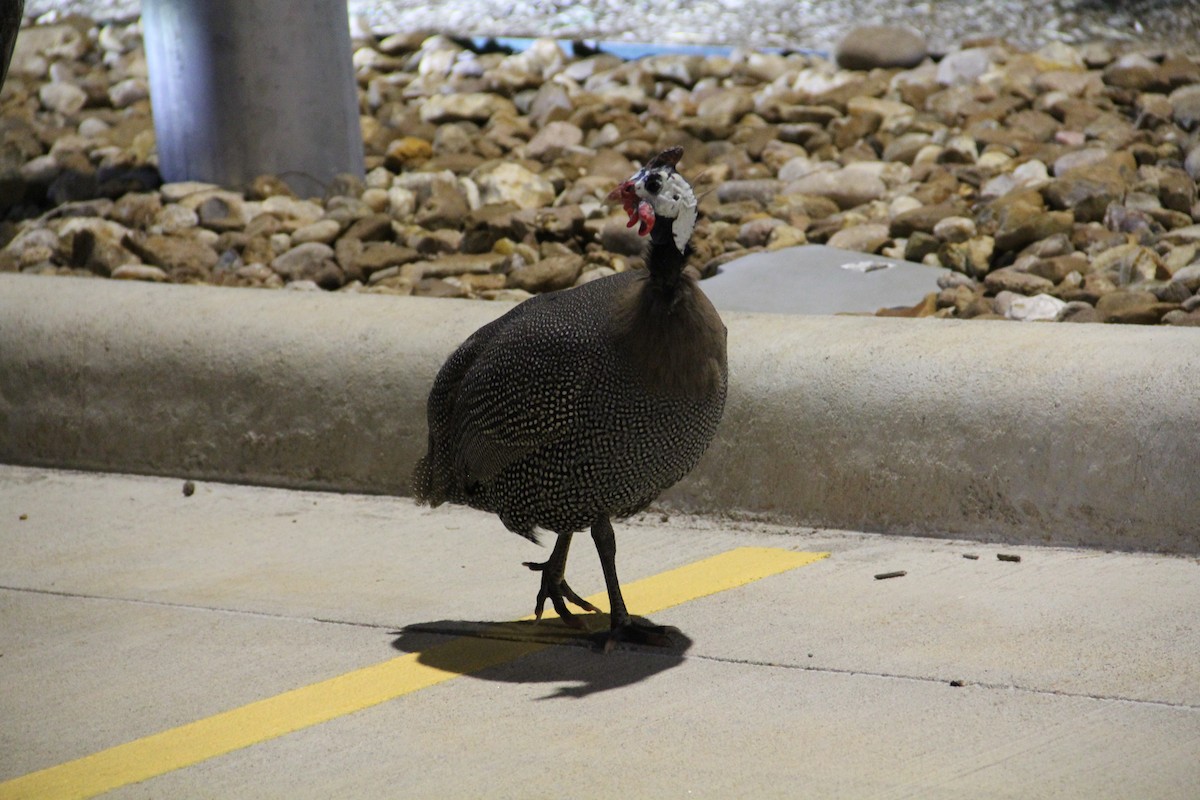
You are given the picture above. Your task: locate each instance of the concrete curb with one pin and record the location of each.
(1065, 434)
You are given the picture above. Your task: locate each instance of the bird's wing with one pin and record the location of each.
(521, 390)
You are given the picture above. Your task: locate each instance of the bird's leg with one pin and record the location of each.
(554, 584)
(624, 629)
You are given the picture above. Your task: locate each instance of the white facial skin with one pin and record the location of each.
(673, 200)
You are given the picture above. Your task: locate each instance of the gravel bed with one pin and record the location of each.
(1058, 184)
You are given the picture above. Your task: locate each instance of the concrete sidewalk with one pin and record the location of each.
(130, 608)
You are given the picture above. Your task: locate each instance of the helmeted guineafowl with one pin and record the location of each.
(584, 404)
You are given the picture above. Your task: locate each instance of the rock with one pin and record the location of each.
(1056, 268)
(972, 257)
(311, 261)
(1132, 307)
(1029, 309)
(761, 191)
(757, 232)
(294, 213)
(881, 46)
(1132, 71)
(1078, 311)
(174, 218)
(551, 141)
(127, 92)
(1189, 276)
(1181, 317)
(139, 272)
(965, 66)
(184, 258)
(220, 214)
(1079, 158)
(1009, 279)
(954, 229)
(443, 206)
(406, 151)
(547, 275)
(868, 238)
(1192, 163)
(847, 188)
(372, 228)
(617, 237)
(1019, 218)
(36, 44)
(61, 97)
(507, 182)
(459, 264)
(923, 219)
(103, 256)
(323, 230)
(919, 245)
(473, 107)
(176, 191)
(1087, 190)
(1131, 263)
(376, 256)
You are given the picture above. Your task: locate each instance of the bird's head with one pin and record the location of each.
(657, 194)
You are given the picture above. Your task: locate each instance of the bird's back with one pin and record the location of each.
(577, 403)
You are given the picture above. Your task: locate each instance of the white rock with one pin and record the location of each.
(33, 239)
(401, 202)
(473, 106)
(954, 229)
(174, 192)
(512, 183)
(379, 178)
(65, 98)
(93, 128)
(127, 92)
(376, 199)
(41, 169)
(1028, 309)
(323, 230)
(106, 229)
(303, 211)
(173, 218)
(139, 272)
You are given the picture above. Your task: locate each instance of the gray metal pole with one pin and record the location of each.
(242, 88)
(10, 23)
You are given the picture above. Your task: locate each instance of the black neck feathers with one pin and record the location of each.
(664, 260)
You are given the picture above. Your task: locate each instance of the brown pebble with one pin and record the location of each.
(885, 575)
(23, 517)
(956, 683)
(971, 556)
(189, 488)
(1007, 557)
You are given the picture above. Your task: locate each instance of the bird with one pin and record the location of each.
(581, 406)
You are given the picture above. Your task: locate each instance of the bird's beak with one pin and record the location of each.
(640, 212)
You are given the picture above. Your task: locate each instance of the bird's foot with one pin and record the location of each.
(643, 633)
(555, 589)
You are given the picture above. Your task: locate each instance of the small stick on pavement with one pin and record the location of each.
(885, 575)
(1007, 557)
(971, 556)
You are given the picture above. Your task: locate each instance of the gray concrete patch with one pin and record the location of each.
(990, 430)
(816, 279)
(145, 609)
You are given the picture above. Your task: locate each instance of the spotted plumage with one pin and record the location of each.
(583, 405)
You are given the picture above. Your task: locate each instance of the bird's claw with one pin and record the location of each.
(556, 590)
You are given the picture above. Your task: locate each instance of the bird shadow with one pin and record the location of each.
(525, 651)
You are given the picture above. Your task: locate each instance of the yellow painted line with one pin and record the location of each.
(320, 702)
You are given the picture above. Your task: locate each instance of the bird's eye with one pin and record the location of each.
(653, 183)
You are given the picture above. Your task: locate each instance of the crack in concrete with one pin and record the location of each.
(488, 631)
